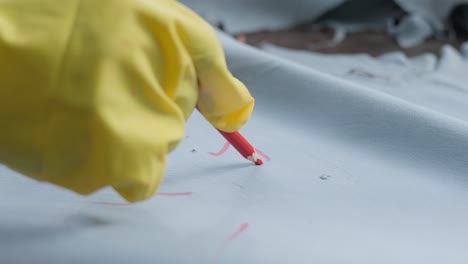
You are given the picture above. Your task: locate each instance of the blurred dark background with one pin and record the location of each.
(368, 26)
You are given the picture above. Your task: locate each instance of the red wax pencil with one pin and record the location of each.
(242, 145)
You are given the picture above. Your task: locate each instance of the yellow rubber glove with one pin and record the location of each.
(95, 93)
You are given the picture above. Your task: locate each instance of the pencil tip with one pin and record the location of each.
(258, 162)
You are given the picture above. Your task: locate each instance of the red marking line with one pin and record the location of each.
(236, 234)
(263, 154)
(226, 147)
(221, 152)
(232, 237)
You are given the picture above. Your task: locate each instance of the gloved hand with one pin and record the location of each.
(96, 93)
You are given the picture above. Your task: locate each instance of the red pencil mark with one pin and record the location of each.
(236, 234)
(263, 154)
(221, 152)
(226, 147)
(174, 194)
(232, 237)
